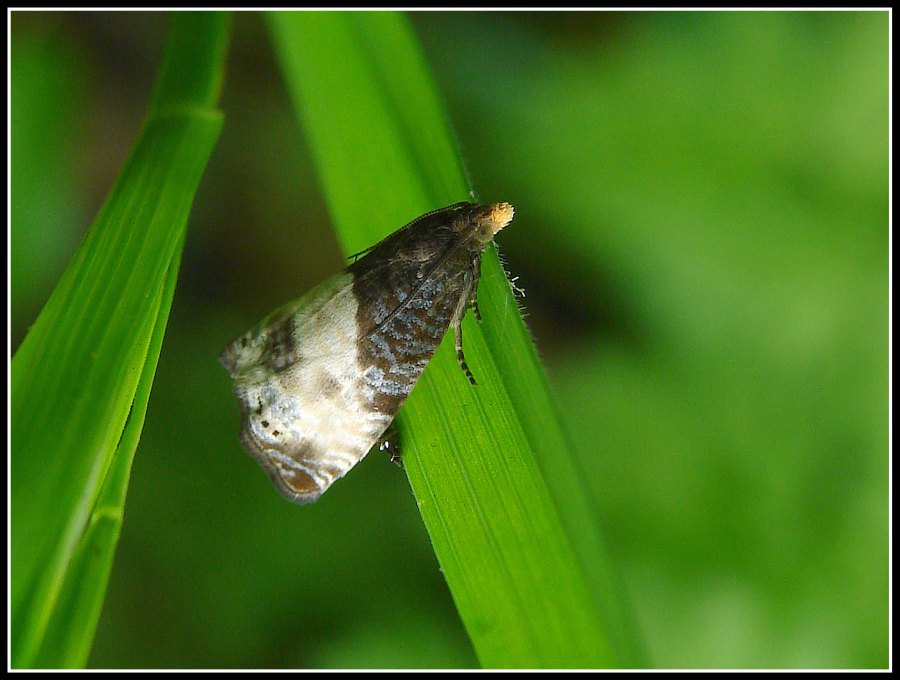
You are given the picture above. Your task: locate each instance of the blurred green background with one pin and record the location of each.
(702, 237)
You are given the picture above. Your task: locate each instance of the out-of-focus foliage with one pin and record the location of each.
(701, 233)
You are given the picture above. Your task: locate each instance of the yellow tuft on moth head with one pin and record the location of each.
(500, 214)
(491, 219)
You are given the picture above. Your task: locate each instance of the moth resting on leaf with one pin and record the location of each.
(319, 380)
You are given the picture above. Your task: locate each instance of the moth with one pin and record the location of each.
(320, 380)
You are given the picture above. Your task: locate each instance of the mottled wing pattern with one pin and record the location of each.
(297, 379)
(408, 297)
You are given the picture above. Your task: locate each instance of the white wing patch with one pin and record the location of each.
(307, 412)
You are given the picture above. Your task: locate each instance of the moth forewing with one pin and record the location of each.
(297, 381)
(321, 379)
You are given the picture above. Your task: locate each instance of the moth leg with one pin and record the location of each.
(456, 321)
(389, 442)
(473, 297)
(474, 304)
(457, 329)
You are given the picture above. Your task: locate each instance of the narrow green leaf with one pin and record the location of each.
(81, 596)
(501, 497)
(85, 368)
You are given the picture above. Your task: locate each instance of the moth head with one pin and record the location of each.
(489, 220)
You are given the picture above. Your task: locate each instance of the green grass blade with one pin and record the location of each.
(509, 518)
(81, 597)
(81, 378)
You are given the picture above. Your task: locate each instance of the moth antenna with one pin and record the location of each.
(407, 227)
(361, 253)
